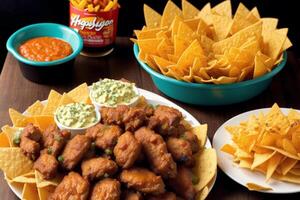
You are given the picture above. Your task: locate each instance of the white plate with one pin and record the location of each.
(154, 99)
(244, 176)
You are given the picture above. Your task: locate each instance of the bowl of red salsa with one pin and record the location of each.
(45, 51)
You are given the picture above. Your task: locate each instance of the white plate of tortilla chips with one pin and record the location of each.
(28, 184)
(260, 150)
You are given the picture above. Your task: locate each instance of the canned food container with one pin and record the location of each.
(97, 29)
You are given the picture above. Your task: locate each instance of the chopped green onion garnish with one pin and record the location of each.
(49, 150)
(60, 159)
(108, 151)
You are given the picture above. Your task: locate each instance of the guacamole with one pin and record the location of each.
(76, 115)
(113, 92)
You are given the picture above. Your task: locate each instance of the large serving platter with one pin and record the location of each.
(153, 99)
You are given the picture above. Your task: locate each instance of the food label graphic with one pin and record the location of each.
(96, 29)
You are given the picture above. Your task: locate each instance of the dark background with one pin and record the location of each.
(15, 14)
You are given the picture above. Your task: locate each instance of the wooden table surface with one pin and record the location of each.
(19, 93)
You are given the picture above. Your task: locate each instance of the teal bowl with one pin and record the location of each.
(210, 94)
(45, 72)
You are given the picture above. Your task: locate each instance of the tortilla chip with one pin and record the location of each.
(201, 133)
(170, 11)
(256, 187)
(188, 10)
(222, 25)
(273, 42)
(45, 192)
(24, 179)
(11, 133)
(17, 118)
(4, 141)
(202, 194)
(80, 93)
(44, 121)
(205, 167)
(205, 14)
(261, 158)
(223, 9)
(152, 18)
(228, 148)
(40, 182)
(238, 39)
(13, 162)
(35, 109)
(53, 102)
(273, 163)
(30, 192)
(65, 99)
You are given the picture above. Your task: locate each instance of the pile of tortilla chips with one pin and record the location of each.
(268, 143)
(210, 45)
(19, 170)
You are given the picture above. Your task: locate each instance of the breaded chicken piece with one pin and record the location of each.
(54, 140)
(163, 196)
(30, 141)
(106, 189)
(131, 195)
(127, 150)
(74, 151)
(182, 185)
(96, 168)
(105, 136)
(131, 118)
(115, 115)
(142, 180)
(155, 149)
(193, 140)
(72, 187)
(166, 120)
(180, 150)
(47, 165)
(134, 118)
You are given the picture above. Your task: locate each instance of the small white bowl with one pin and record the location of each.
(75, 131)
(133, 101)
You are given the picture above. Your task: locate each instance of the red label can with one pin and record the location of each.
(97, 29)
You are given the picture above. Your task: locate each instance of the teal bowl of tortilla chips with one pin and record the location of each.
(210, 94)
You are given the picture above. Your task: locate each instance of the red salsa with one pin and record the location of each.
(45, 49)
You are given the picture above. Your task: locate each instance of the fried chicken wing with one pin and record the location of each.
(105, 136)
(131, 195)
(106, 189)
(30, 141)
(111, 115)
(131, 118)
(142, 180)
(181, 151)
(96, 168)
(72, 187)
(127, 150)
(54, 140)
(163, 196)
(134, 118)
(165, 120)
(155, 149)
(182, 185)
(74, 151)
(47, 165)
(193, 140)
(143, 104)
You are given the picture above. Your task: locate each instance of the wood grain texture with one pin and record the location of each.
(19, 93)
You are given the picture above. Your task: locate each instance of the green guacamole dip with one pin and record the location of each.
(76, 115)
(112, 92)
